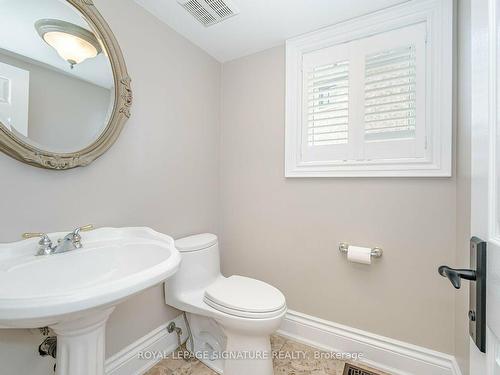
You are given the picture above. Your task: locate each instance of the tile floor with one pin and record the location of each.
(284, 365)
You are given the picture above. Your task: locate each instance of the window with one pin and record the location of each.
(373, 96)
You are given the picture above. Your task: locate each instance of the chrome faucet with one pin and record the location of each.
(71, 241)
(45, 246)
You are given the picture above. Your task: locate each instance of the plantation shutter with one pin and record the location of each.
(364, 100)
(328, 104)
(390, 100)
(325, 104)
(394, 94)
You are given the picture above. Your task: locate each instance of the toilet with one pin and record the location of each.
(230, 318)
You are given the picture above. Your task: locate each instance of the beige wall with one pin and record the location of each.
(286, 231)
(162, 172)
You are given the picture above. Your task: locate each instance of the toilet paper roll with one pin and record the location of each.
(358, 254)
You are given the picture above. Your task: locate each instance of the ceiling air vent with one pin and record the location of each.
(210, 12)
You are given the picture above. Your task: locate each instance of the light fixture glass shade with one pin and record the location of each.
(72, 42)
(70, 47)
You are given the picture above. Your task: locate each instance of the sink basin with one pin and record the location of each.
(75, 292)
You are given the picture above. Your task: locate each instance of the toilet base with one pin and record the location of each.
(209, 341)
(248, 355)
(231, 349)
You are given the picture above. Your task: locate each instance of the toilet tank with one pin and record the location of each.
(200, 265)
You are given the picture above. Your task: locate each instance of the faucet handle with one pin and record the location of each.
(32, 235)
(84, 228)
(75, 235)
(44, 239)
(45, 244)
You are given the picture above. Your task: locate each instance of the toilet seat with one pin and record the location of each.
(245, 297)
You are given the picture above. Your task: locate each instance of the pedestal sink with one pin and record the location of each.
(74, 293)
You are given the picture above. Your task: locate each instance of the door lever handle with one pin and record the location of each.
(455, 275)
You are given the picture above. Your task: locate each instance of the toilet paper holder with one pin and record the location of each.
(376, 251)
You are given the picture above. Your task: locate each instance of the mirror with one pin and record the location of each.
(64, 88)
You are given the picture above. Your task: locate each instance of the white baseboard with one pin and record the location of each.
(159, 341)
(392, 356)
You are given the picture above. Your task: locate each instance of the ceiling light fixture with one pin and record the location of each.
(72, 42)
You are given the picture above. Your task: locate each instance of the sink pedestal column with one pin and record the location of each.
(81, 344)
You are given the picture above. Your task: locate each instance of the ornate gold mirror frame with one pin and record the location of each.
(29, 154)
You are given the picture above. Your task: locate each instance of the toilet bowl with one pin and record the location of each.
(230, 318)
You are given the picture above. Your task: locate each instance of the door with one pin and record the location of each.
(14, 97)
(485, 187)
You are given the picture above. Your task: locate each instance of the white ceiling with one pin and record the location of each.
(17, 28)
(261, 24)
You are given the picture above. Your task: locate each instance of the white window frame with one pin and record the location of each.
(437, 162)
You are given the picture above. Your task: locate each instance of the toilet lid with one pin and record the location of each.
(196, 242)
(243, 294)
